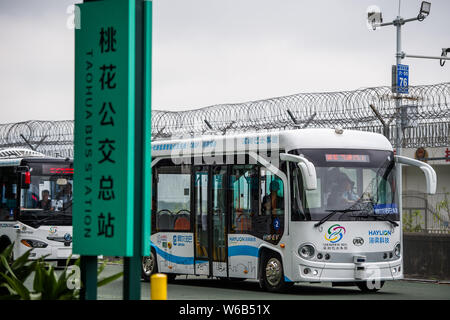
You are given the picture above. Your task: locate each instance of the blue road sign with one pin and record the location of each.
(402, 78)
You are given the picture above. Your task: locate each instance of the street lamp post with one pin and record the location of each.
(399, 55)
(398, 22)
(375, 20)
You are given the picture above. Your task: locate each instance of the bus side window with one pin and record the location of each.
(173, 200)
(297, 210)
(244, 196)
(8, 195)
(272, 193)
(271, 221)
(154, 201)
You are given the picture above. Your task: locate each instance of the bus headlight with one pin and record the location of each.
(34, 243)
(306, 251)
(397, 250)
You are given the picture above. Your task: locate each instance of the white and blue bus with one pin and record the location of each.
(308, 205)
(36, 204)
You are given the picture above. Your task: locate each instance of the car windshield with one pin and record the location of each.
(354, 184)
(47, 200)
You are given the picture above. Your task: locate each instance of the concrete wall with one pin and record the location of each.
(426, 256)
(414, 180)
(422, 209)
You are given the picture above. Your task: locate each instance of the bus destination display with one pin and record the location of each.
(346, 157)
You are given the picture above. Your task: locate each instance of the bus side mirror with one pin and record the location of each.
(306, 167)
(430, 174)
(25, 179)
(25, 176)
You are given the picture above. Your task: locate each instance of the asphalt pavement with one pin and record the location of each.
(202, 288)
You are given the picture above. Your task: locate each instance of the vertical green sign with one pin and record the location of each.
(104, 128)
(147, 128)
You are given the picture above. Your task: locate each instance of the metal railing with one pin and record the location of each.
(426, 213)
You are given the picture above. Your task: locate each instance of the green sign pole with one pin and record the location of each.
(132, 265)
(88, 266)
(147, 128)
(112, 160)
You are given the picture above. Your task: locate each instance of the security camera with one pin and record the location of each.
(374, 17)
(444, 54)
(425, 8)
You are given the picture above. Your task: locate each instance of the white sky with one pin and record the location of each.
(208, 52)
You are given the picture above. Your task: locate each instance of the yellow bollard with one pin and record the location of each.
(158, 284)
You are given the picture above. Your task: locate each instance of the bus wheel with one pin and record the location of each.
(272, 273)
(149, 266)
(370, 286)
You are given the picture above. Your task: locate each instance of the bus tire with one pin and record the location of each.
(272, 273)
(364, 287)
(149, 266)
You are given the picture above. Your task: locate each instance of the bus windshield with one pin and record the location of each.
(48, 198)
(352, 185)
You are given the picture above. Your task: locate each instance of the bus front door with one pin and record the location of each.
(210, 222)
(201, 204)
(219, 201)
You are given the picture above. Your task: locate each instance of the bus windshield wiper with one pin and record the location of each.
(333, 212)
(385, 218)
(53, 216)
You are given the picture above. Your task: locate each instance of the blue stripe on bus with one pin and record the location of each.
(232, 251)
(201, 261)
(242, 251)
(173, 258)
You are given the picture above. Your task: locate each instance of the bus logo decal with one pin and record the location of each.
(67, 237)
(335, 233)
(358, 241)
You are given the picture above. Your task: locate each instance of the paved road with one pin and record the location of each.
(196, 288)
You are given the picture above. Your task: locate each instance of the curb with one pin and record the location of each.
(427, 280)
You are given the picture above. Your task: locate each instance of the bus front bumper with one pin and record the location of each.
(345, 272)
(50, 253)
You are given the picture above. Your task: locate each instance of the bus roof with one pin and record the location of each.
(15, 156)
(13, 153)
(285, 140)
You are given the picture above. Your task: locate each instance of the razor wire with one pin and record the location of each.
(53, 138)
(426, 122)
(425, 115)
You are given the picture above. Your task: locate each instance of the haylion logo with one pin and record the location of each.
(335, 233)
(380, 233)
